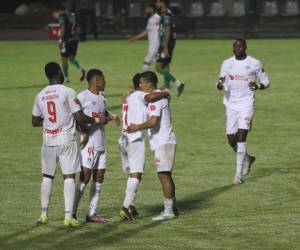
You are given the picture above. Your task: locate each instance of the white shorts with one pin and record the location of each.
(241, 119)
(152, 55)
(67, 154)
(164, 157)
(93, 159)
(132, 155)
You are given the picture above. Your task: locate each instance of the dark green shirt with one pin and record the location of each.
(68, 21)
(167, 20)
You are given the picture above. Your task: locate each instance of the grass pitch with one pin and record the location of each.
(263, 213)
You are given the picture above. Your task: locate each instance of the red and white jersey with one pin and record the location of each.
(238, 74)
(162, 133)
(56, 105)
(134, 112)
(153, 31)
(94, 106)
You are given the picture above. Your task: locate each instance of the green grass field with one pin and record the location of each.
(264, 213)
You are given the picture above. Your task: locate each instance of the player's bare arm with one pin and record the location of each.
(143, 34)
(113, 117)
(83, 119)
(254, 86)
(153, 120)
(156, 96)
(37, 121)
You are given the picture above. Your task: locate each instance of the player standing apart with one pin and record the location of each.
(238, 78)
(68, 41)
(162, 142)
(132, 145)
(93, 153)
(167, 45)
(152, 32)
(55, 108)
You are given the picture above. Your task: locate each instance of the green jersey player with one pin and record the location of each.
(167, 45)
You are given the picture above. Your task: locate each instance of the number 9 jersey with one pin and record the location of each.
(56, 104)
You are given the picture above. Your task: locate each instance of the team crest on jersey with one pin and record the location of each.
(231, 77)
(152, 107)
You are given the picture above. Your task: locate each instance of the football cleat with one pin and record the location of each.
(42, 220)
(180, 87)
(125, 214)
(246, 169)
(71, 222)
(95, 218)
(133, 211)
(164, 216)
(82, 77)
(238, 180)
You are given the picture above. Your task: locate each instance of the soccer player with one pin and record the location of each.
(55, 108)
(162, 142)
(132, 146)
(152, 32)
(167, 45)
(68, 41)
(238, 78)
(93, 153)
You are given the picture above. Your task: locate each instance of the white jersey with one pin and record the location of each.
(153, 31)
(134, 112)
(56, 105)
(238, 74)
(94, 106)
(162, 133)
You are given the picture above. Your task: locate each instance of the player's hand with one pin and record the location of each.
(125, 96)
(220, 83)
(116, 119)
(131, 39)
(132, 128)
(253, 86)
(84, 141)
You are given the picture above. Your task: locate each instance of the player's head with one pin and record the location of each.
(59, 9)
(53, 72)
(136, 80)
(149, 81)
(239, 47)
(150, 8)
(162, 4)
(96, 79)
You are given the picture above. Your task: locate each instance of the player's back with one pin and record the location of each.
(56, 105)
(135, 112)
(68, 20)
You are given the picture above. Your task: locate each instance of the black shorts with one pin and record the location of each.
(70, 48)
(161, 58)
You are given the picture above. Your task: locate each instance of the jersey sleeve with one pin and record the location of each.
(73, 101)
(36, 111)
(261, 75)
(142, 97)
(155, 109)
(223, 71)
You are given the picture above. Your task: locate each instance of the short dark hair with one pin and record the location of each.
(52, 70)
(167, 2)
(93, 72)
(240, 39)
(151, 77)
(136, 79)
(60, 6)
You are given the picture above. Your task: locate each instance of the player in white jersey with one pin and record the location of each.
(152, 32)
(238, 78)
(55, 108)
(132, 145)
(93, 152)
(162, 142)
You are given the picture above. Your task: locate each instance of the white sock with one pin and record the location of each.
(94, 197)
(46, 189)
(69, 194)
(80, 186)
(145, 68)
(177, 83)
(131, 189)
(240, 158)
(168, 204)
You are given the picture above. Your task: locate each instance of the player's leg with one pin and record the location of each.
(69, 158)
(241, 154)
(84, 179)
(48, 164)
(96, 186)
(151, 56)
(136, 161)
(164, 159)
(65, 67)
(72, 57)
